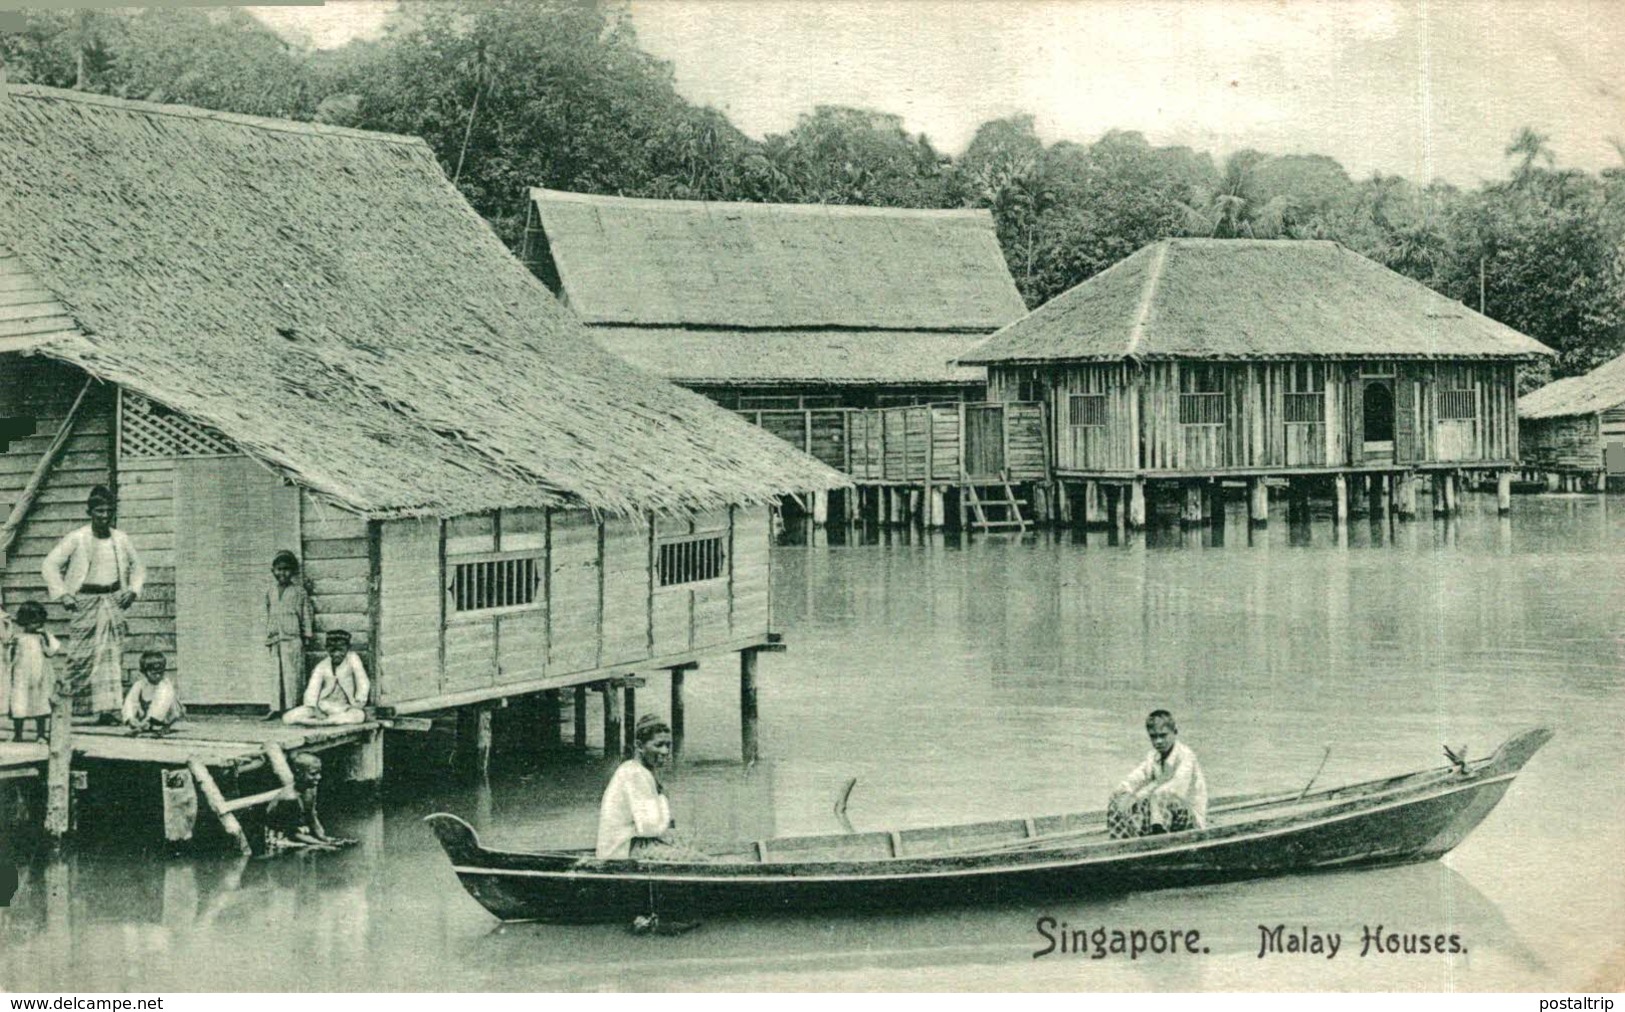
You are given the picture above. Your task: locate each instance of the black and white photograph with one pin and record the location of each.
(812, 496)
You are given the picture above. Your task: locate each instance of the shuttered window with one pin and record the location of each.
(1300, 409)
(1086, 409)
(1457, 405)
(691, 560)
(1201, 409)
(495, 582)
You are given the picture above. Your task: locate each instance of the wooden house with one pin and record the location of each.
(1573, 429)
(1202, 359)
(791, 314)
(273, 335)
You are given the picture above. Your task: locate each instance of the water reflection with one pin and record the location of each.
(984, 677)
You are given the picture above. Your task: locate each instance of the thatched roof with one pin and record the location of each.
(1247, 299)
(327, 299)
(1598, 390)
(825, 357)
(740, 265)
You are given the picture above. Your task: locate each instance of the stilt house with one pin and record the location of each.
(276, 335)
(1196, 359)
(1574, 429)
(791, 314)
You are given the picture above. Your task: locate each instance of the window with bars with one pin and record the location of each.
(691, 560)
(1457, 405)
(1305, 409)
(1086, 409)
(489, 583)
(1201, 409)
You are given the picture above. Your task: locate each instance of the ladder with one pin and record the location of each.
(998, 499)
(224, 810)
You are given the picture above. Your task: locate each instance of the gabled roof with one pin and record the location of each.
(740, 265)
(832, 357)
(1600, 389)
(328, 300)
(1250, 299)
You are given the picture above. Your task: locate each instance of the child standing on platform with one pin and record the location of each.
(28, 652)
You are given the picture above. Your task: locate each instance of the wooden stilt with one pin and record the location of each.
(677, 714)
(1384, 484)
(612, 718)
(1191, 515)
(1094, 504)
(964, 507)
(630, 718)
(551, 713)
(217, 804)
(1340, 498)
(580, 739)
(1405, 496)
(820, 508)
(57, 767)
(1136, 504)
(938, 508)
(1451, 504)
(748, 744)
(1258, 500)
(1503, 492)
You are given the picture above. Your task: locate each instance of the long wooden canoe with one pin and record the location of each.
(1412, 817)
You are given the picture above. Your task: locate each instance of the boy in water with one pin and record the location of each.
(1166, 793)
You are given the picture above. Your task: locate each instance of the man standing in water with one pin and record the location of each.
(1164, 794)
(96, 574)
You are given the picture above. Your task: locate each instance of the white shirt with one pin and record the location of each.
(347, 686)
(1179, 774)
(67, 567)
(633, 806)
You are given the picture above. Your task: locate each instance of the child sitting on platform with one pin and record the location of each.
(153, 706)
(32, 675)
(338, 687)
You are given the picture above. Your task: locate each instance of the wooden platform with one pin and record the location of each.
(234, 743)
(21, 759)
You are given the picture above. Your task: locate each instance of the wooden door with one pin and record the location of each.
(231, 516)
(984, 440)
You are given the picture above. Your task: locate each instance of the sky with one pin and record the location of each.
(1427, 90)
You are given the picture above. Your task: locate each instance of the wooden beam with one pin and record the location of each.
(1503, 492)
(612, 718)
(57, 766)
(580, 739)
(217, 804)
(42, 470)
(749, 746)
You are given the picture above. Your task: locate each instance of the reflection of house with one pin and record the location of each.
(788, 313)
(1574, 429)
(277, 335)
(1197, 359)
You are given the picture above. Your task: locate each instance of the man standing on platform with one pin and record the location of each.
(96, 574)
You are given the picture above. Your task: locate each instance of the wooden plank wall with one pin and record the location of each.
(1025, 445)
(45, 390)
(1570, 442)
(1612, 426)
(900, 444)
(28, 311)
(599, 605)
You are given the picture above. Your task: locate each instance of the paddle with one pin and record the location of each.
(1311, 783)
(840, 804)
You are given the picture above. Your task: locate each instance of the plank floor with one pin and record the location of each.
(216, 740)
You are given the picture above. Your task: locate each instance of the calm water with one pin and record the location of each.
(1001, 678)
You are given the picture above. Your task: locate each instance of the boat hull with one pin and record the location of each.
(1413, 823)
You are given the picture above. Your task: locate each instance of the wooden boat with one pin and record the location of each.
(1413, 817)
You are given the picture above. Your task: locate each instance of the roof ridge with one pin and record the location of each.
(1148, 295)
(978, 214)
(269, 123)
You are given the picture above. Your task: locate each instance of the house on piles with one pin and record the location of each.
(1573, 429)
(1198, 360)
(830, 326)
(272, 335)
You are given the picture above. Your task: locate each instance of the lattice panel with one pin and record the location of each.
(152, 430)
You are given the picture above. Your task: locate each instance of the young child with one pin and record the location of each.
(152, 705)
(338, 687)
(32, 675)
(290, 625)
(292, 822)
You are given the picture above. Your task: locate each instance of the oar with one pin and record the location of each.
(840, 804)
(1324, 756)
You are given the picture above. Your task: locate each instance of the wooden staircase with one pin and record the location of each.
(994, 506)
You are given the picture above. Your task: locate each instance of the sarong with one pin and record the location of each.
(96, 655)
(1159, 812)
(287, 674)
(648, 849)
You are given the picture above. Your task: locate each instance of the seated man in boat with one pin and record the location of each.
(1164, 794)
(634, 818)
(152, 706)
(338, 687)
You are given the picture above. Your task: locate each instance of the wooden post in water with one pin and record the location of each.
(612, 717)
(1503, 492)
(1340, 498)
(677, 715)
(580, 739)
(1405, 496)
(1452, 503)
(1094, 504)
(1191, 515)
(58, 765)
(1136, 504)
(551, 714)
(629, 717)
(1385, 494)
(1258, 500)
(474, 739)
(820, 508)
(938, 507)
(748, 745)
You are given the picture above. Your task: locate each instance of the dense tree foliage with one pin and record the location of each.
(557, 93)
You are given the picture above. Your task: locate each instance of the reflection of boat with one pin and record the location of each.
(1414, 817)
